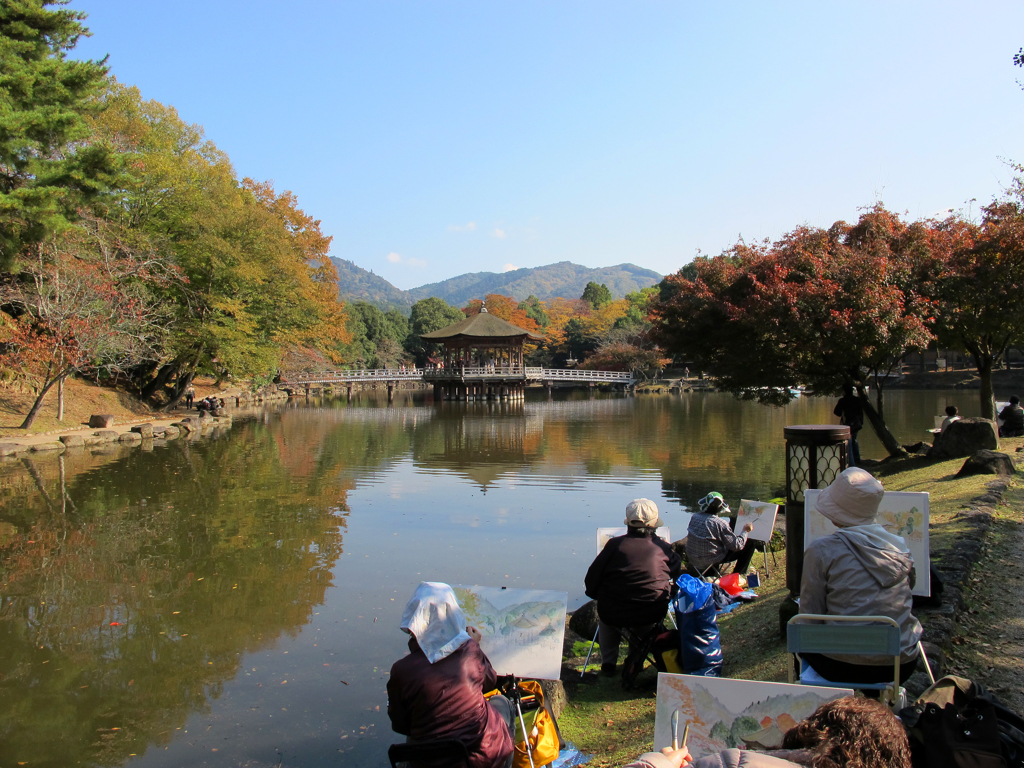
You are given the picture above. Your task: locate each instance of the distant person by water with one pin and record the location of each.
(952, 414)
(850, 411)
(1012, 417)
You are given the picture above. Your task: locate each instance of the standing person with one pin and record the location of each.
(952, 414)
(631, 579)
(437, 691)
(860, 570)
(190, 395)
(710, 540)
(1012, 417)
(850, 411)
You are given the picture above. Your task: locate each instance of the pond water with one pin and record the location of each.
(234, 600)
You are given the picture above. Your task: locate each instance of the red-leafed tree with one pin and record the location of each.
(821, 308)
(504, 307)
(82, 305)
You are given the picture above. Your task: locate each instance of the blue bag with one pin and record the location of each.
(699, 640)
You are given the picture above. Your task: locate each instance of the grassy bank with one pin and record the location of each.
(615, 725)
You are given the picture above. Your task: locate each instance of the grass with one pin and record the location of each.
(615, 726)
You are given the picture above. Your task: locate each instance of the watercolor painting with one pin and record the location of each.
(603, 534)
(724, 713)
(521, 629)
(901, 512)
(761, 514)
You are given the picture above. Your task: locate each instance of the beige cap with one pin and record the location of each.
(643, 513)
(851, 499)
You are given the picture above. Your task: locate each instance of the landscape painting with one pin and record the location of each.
(521, 629)
(761, 514)
(903, 513)
(603, 534)
(725, 713)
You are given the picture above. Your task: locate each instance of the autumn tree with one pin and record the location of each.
(47, 169)
(506, 308)
(430, 314)
(821, 308)
(83, 304)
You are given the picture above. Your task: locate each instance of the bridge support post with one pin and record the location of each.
(391, 391)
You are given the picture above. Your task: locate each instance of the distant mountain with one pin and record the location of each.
(563, 279)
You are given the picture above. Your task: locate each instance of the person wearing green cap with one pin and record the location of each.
(710, 540)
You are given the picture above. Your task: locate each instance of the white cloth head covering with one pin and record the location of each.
(434, 618)
(642, 513)
(851, 499)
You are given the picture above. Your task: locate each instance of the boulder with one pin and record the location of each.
(965, 437)
(101, 421)
(47, 448)
(584, 620)
(145, 430)
(130, 438)
(554, 696)
(9, 449)
(72, 440)
(171, 432)
(987, 463)
(104, 436)
(185, 426)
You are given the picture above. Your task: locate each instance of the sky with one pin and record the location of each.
(437, 138)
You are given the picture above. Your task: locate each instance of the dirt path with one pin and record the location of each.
(990, 645)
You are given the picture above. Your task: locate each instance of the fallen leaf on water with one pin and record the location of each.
(343, 681)
(114, 624)
(284, 682)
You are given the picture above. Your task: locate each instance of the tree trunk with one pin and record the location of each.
(888, 440)
(162, 377)
(986, 393)
(34, 410)
(179, 391)
(60, 400)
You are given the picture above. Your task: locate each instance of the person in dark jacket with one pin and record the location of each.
(631, 579)
(437, 691)
(850, 411)
(1012, 417)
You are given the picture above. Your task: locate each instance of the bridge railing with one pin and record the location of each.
(377, 374)
(478, 372)
(577, 374)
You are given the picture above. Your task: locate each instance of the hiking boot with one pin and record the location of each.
(608, 670)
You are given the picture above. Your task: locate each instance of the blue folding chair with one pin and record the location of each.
(844, 635)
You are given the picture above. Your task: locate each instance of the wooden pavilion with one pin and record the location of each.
(483, 359)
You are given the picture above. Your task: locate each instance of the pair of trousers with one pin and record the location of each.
(610, 637)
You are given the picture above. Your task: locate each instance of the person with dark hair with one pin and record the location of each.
(1012, 417)
(437, 691)
(850, 411)
(846, 733)
(860, 570)
(710, 540)
(632, 579)
(952, 414)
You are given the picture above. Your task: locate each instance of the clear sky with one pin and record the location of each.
(438, 138)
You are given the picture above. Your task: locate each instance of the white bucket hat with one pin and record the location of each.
(434, 618)
(643, 513)
(851, 499)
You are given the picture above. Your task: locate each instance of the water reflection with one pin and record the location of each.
(193, 604)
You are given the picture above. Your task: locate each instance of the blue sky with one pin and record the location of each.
(438, 138)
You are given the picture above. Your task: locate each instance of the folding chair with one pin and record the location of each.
(451, 750)
(640, 652)
(845, 635)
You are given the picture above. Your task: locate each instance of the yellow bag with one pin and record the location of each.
(543, 735)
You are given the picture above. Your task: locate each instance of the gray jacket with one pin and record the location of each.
(859, 571)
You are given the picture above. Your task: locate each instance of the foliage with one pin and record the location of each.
(504, 307)
(429, 315)
(597, 296)
(47, 171)
(534, 309)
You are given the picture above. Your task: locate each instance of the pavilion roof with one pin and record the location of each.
(483, 326)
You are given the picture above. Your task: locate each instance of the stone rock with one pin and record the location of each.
(72, 440)
(9, 449)
(584, 620)
(130, 438)
(987, 463)
(106, 435)
(146, 430)
(101, 421)
(918, 449)
(554, 696)
(171, 432)
(47, 448)
(184, 426)
(964, 438)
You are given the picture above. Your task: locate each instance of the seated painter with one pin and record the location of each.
(1012, 417)
(860, 570)
(437, 691)
(952, 414)
(710, 539)
(632, 580)
(850, 731)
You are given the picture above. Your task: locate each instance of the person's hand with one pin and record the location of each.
(748, 527)
(679, 757)
(474, 633)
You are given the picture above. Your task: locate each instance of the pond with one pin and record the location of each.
(234, 600)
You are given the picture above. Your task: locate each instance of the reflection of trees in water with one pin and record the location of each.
(128, 605)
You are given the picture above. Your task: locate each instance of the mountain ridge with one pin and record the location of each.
(561, 279)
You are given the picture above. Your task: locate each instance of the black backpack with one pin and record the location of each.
(959, 724)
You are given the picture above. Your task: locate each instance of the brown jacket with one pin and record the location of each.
(445, 700)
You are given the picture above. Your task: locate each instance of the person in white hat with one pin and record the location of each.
(631, 579)
(860, 570)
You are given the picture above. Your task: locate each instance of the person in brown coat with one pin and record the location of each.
(437, 691)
